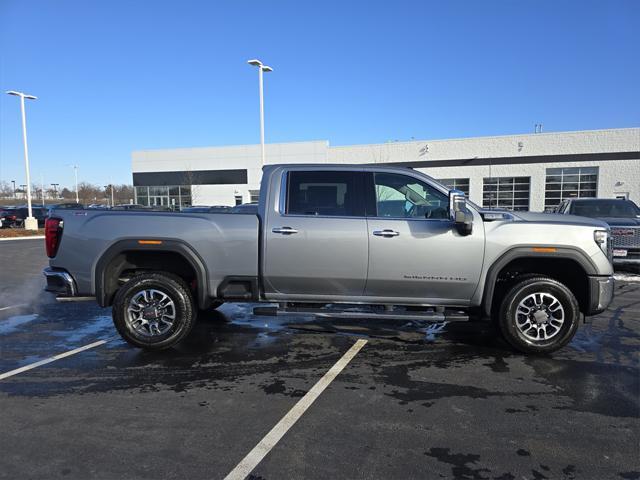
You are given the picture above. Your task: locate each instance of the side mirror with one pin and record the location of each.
(459, 213)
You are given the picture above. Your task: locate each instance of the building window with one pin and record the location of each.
(238, 199)
(511, 193)
(573, 182)
(142, 195)
(461, 184)
(174, 197)
(254, 196)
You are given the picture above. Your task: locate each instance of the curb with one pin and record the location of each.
(35, 237)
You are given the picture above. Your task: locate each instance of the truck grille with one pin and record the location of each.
(625, 237)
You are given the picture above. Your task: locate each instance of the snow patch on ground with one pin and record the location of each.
(626, 277)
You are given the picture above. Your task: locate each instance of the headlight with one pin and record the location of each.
(601, 237)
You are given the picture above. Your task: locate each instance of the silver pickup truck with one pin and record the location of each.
(390, 241)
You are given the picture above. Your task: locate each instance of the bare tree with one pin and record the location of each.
(6, 190)
(67, 194)
(88, 193)
(122, 193)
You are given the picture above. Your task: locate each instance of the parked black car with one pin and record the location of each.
(40, 214)
(7, 217)
(623, 216)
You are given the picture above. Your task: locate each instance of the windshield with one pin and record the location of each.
(605, 208)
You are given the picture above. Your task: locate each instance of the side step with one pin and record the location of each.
(432, 315)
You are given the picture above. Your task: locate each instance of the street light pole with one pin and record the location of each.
(14, 188)
(75, 171)
(261, 68)
(42, 186)
(30, 223)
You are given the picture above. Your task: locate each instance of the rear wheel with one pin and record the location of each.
(539, 315)
(154, 311)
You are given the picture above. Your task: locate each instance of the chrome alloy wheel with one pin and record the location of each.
(151, 313)
(539, 316)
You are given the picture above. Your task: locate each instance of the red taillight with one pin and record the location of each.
(52, 235)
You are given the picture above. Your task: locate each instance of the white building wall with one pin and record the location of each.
(224, 158)
(559, 143)
(615, 177)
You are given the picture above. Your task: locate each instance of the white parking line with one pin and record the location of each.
(255, 456)
(31, 366)
(20, 305)
(34, 237)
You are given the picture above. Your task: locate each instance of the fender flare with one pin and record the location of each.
(171, 245)
(519, 252)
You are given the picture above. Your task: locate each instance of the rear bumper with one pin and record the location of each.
(600, 294)
(60, 282)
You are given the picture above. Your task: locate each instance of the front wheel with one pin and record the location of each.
(154, 311)
(539, 315)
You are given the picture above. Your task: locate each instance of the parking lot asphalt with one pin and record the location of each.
(417, 401)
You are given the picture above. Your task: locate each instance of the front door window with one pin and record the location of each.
(401, 196)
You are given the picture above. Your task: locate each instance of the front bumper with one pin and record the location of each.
(600, 294)
(60, 282)
(626, 261)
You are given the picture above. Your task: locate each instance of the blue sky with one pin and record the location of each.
(116, 76)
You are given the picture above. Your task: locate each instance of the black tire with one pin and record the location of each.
(183, 309)
(558, 334)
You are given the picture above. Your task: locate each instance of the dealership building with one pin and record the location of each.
(520, 172)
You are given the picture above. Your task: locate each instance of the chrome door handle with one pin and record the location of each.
(386, 233)
(284, 230)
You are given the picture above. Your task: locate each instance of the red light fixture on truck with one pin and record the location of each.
(52, 235)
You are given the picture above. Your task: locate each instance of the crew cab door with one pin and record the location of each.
(415, 253)
(316, 243)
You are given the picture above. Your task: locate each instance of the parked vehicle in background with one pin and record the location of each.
(60, 206)
(623, 216)
(391, 240)
(248, 208)
(206, 209)
(8, 217)
(130, 206)
(39, 213)
(99, 206)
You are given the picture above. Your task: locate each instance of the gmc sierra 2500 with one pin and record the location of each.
(391, 240)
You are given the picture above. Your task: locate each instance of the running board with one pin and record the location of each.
(440, 315)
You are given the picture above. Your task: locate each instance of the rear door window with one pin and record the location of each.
(325, 193)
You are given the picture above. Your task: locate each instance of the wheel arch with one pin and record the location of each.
(556, 264)
(173, 255)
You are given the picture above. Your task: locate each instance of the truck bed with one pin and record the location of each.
(226, 244)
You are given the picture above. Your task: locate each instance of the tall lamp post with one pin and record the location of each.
(75, 171)
(261, 68)
(14, 188)
(30, 223)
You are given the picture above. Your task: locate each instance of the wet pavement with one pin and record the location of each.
(418, 401)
